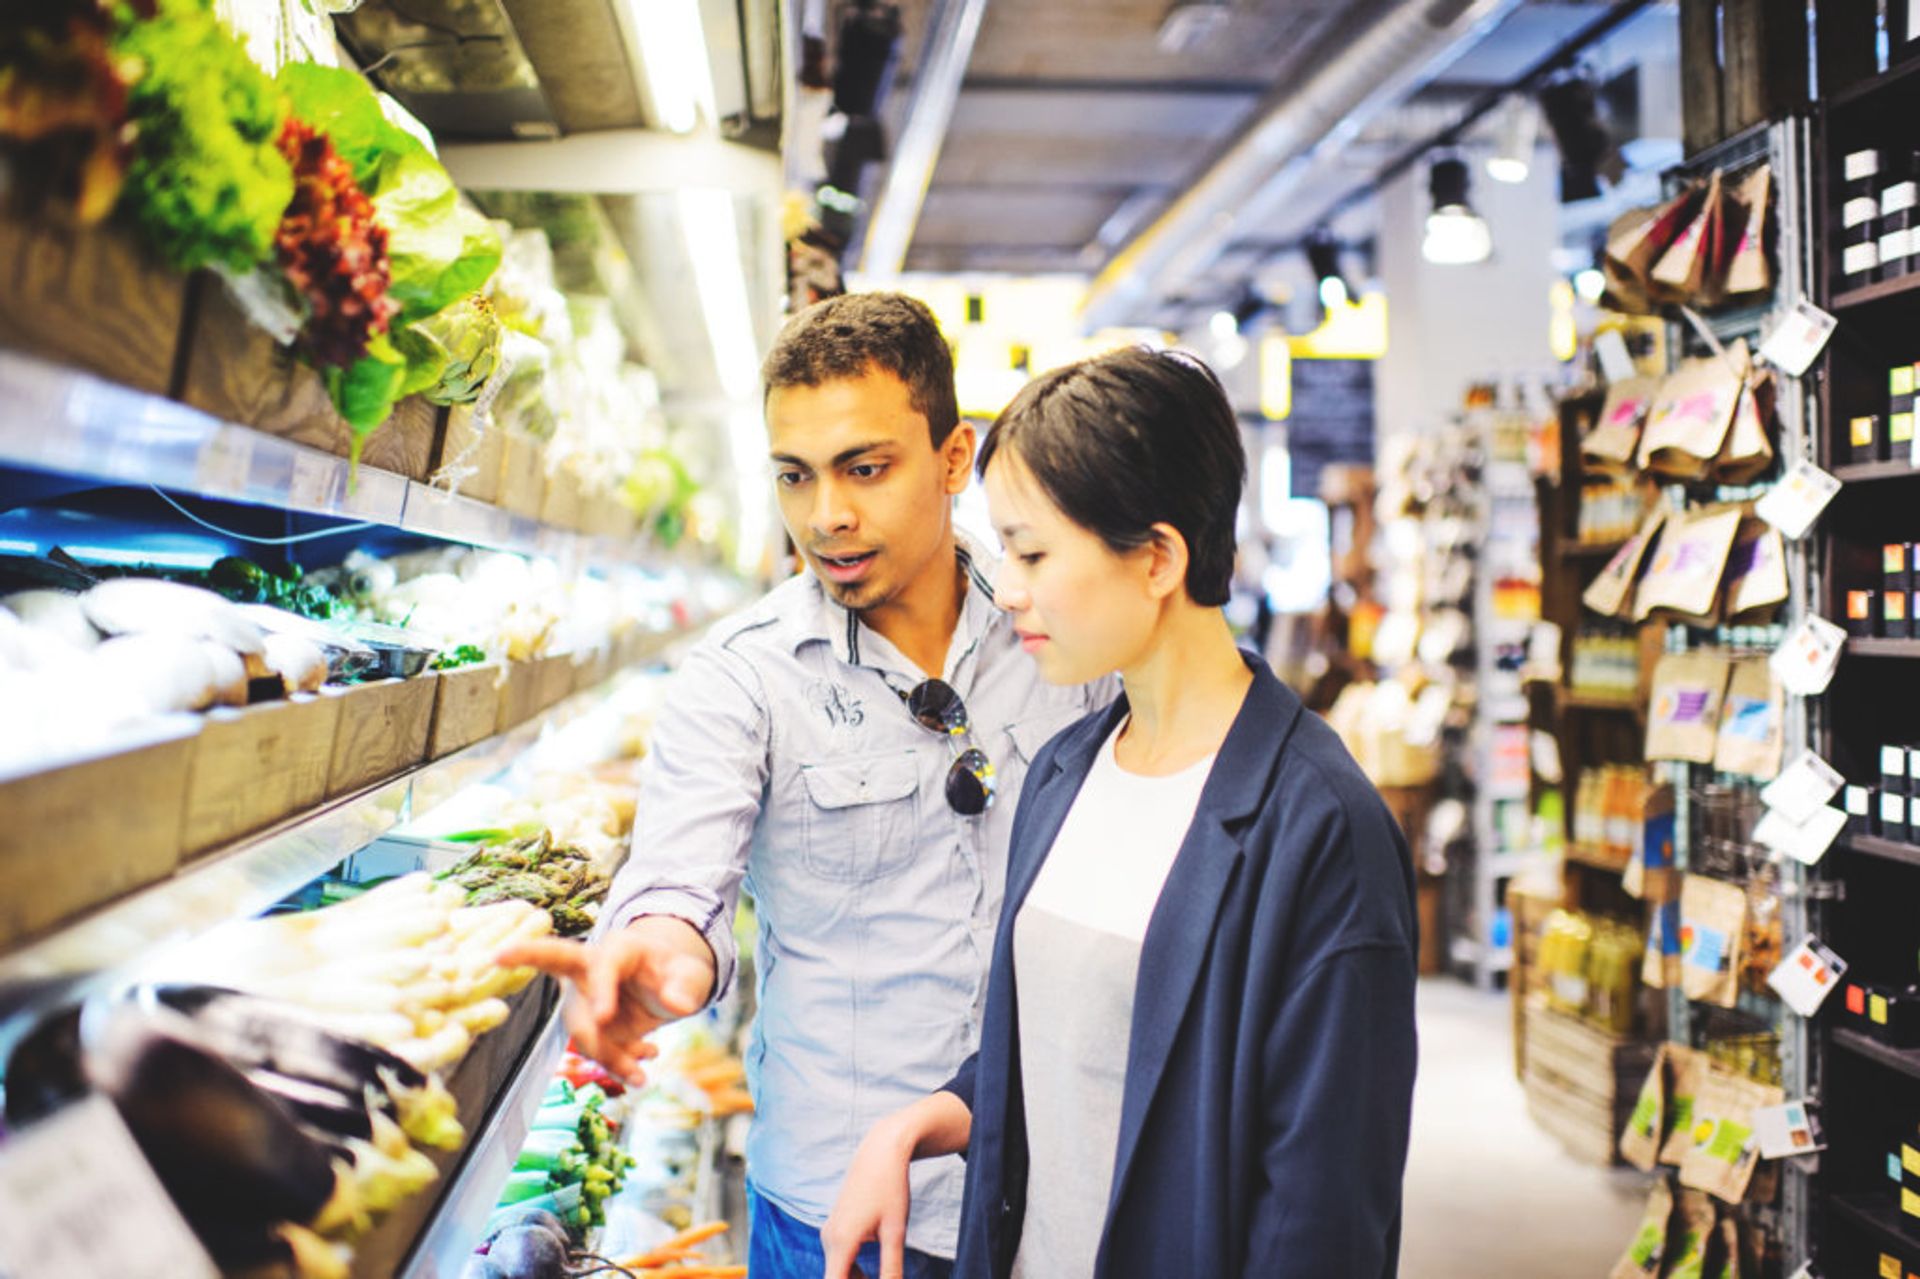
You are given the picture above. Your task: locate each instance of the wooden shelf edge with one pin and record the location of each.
(1878, 1214)
(1880, 291)
(1885, 849)
(1904, 1060)
(1863, 472)
(1883, 646)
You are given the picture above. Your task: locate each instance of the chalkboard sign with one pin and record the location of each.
(1332, 419)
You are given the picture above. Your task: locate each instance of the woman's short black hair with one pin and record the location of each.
(1131, 439)
(854, 334)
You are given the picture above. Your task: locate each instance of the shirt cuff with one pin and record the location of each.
(706, 913)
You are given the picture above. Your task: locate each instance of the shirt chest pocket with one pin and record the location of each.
(861, 817)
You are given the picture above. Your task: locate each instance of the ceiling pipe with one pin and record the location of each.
(951, 29)
(1372, 65)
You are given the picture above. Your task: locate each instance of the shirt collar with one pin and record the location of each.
(840, 627)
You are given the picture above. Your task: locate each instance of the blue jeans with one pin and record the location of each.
(783, 1247)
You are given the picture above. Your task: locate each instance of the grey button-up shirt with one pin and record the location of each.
(784, 757)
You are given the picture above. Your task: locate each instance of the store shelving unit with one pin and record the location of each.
(1870, 1089)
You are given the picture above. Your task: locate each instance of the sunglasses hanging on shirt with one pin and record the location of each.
(937, 708)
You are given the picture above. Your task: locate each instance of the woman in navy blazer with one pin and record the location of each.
(1270, 1049)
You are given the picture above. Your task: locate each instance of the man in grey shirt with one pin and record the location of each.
(849, 747)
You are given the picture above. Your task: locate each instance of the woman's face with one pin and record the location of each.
(1082, 610)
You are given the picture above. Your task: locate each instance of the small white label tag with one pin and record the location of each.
(1803, 332)
(1786, 1131)
(1807, 976)
(1796, 501)
(1802, 788)
(1806, 842)
(1806, 660)
(79, 1199)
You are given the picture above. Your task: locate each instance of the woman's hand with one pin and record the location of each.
(874, 1199)
(873, 1202)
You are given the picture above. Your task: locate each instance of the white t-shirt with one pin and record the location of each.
(1076, 962)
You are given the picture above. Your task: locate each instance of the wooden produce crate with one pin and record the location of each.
(554, 674)
(257, 765)
(523, 475)
(90, 298)
(1581, 1082)
(383, 729)
(235, 371)
(465, 445)
(87, 830)
(562, 506)
(466, 707)
(1530, 911)
(519, 695)
(592, 667)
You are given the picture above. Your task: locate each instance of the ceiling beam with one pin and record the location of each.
(1125, 88)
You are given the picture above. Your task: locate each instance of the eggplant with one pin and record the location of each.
(334, 1114)
(535, 1217)
(281, 1037)
(45, 1071)
(223, 1149)
(528, 1252)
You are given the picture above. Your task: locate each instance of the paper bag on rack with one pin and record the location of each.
(1748, 450)
(1756, 578)
(1749, 271)
(1615, 437)
(1681, 272)
(1646, 1255)
(1688, 423)
(1647, 1125)
(1636, 245)
(1683, 720)
(1713, 933)
(1611, 594)
(1723, 1154)
(1687, 1070)
(1684, 576)
(1752, 735)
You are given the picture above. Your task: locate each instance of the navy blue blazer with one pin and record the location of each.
(1269, 1083)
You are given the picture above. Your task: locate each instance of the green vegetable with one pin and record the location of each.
(439, 251)
(206, 184)
(464, 655)
(460, 345)
(522, 1186)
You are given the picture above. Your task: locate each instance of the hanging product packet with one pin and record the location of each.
(1693, 1235)
(1713, 934)
(1683, 720)
(1614, 441)
(1749, 271)
(1690, 268)
(1685, 573)
(1611, 594)
(1756, 575)
(1688, 423)
(1687, 1073)
(1726, 1258)
(1646, 1126)
(1635, 244)
(1752, 737)
(1660, 966)
(1725, 1151)
(1748, 450)
(1646, 1256)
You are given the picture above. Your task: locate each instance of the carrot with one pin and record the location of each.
(678, 1248)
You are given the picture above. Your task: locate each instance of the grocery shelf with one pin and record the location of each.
(1595, 702)
(248, 876)
(1856, 472)
(459, 1221)
(1589, 550)
(1904, 1060)
(1891, 850)
(67, 421)
(1880, 1216)
(1868, 647)
(1509, 864)
(1596, 858)
(1867, 294)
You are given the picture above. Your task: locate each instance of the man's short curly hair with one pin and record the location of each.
(856, 333)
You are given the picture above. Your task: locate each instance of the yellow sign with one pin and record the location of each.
(1563, 329)
(1354, 331)
(1276, 376)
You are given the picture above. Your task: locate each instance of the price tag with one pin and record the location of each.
(311, 485)
(1615, 364)
(1789, 1130)
(1546, 757)
(1807, 976)
(1796, 501)
(1805, 662)
(1802, 788)
(1796, 342)
(78, 1198)
(224, 463)
(1805, 842)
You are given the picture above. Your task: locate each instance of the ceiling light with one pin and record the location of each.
(1456, 235)
(1572, 109)
(1333, 292)
(1323, 259)
(712, 236)
(1590, 284)
(1513, 158)
(1223, 326)
(1188, 25)
(673, 55)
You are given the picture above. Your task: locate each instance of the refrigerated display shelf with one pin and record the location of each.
(72, 423)
(252, 874)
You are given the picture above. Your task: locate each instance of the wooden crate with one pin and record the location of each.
(1530, 911)
(561, 505)
(519, 696)
(86, 831)
(554, 674)
(466, 708)
(383, 729)
(523, 475)
(235, 371)
(257, 765)
(1581, 1082)
(592, 667)
(90, 298)
(470, 447)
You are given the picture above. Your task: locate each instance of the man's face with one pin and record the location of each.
(864, 492)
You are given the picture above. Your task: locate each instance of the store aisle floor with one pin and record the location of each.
(1487, 1192)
